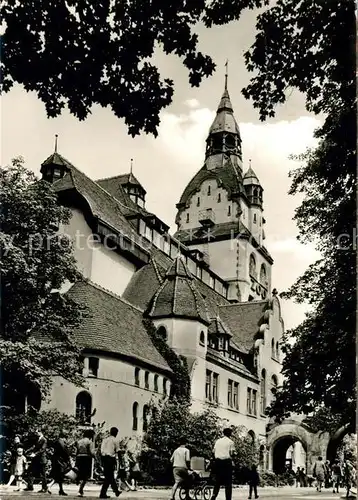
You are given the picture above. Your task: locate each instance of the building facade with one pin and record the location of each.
(207, 290)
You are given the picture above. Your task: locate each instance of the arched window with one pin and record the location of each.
(252, 265)
(272, 348)
(252, 437)
(198, 202)
(162, 332)
(146, 380)
(135, 416)
(263, 391)
(145, 417)
(187, 217)
(277, 352)
(136, 376)
(255, 219)
(229, 211)
(273, 387)
(84, 407)
(202, 338)
(219, 197)
(165, 388)
(156, 383)
(209, 190)
(263, 275)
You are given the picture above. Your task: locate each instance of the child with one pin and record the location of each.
(254, 480)
(20, 467)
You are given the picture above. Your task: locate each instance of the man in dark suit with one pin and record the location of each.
(38, 462)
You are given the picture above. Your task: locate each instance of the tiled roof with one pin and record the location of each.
(143, 285)
(111, 183)
(178, 296)
(217, 326)
(225, 229)
(226, 174)
(225, 120)
(101, 203)
(114, 325)
(244, 320)
(251, 178)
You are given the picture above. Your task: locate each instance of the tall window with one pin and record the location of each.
(255, 219)
(254, 402)
(219, 197)
(215, 387)
(146, 380)
(263, 275)
(252, 266)
(273, 387)
(93, 364)
(198, 202)
(84, 407)
(236, 395)
(272, 348)
(209, 190)
(136, 376)
(277, 351)
(229, 393)
(165, 388)
(156, 383)
(248, 401)
(187, 217)
(229, 210)
(135, 416)
(263, 391)
(202, 338)
(145, 417)
(208, 389)
(162, 332)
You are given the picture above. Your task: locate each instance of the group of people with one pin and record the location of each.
(338, 475)
(80, 470)
(221, 468)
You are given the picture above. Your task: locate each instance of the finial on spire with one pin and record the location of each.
(250, 163)
(226, 72)
(56, 137)
(131, 170)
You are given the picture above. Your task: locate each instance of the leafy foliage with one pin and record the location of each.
(310, 46)
(180, 382)
(36, 261)
(101, 52)
(172, 424)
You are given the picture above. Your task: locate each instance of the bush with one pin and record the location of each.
(268, 479)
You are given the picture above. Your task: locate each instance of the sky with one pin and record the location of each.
(101, 147)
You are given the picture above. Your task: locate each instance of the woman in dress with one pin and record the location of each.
(61, 463)
(13, 451)
(84, 456)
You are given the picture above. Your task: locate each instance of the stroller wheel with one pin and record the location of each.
(206, 493)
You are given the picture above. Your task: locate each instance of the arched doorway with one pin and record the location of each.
(339, 443)
(288, 453)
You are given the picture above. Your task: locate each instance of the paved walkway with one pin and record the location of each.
(289, 493)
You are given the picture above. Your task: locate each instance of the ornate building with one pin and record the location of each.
(207, 290)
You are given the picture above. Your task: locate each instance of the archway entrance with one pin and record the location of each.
(343, 442)
(288, 453)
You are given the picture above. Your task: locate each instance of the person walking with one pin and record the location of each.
(20, 467)
(38, 457)
(319, 472)
(13, 457)
(348, 475)
(223, 453)
(180, 460)
(254, 481)
(135, 473)
(61, 463)
(84, 455)
(336, 476)
(328, 474)
(298, 477)
(109, 454)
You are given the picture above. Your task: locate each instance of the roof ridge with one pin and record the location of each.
(110, 177)
(112, 294)
(155, 265)
(244, 303)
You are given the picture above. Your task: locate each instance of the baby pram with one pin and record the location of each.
(198, 482)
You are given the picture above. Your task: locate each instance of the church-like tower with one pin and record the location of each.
(220, 212)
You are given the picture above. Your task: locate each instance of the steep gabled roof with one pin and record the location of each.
(244, 320)
(114, 326)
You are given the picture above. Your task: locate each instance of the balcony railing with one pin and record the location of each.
(207, 217)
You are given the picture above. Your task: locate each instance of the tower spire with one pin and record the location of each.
(56, 137)
(131, 168)
(226, 72)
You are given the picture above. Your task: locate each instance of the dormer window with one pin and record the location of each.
(57, 173)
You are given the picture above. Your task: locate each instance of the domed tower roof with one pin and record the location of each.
(250, 178)
(178, 296)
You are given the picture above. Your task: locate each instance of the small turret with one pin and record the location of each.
(253, 188)
(54, 167)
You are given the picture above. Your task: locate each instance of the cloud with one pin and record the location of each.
(192, 103)
(292, 246)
